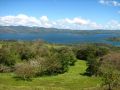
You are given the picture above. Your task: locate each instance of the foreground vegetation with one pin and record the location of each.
(38, 65)
(71, 80)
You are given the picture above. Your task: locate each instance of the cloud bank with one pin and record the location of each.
(113, 3)
(110, 2)
(66, 23)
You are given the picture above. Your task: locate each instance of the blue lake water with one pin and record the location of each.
(62, 38)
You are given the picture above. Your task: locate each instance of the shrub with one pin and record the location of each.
(31, 50)
(4, 69)
(110, 70)
(86, 52)
(35, 58)
(39, 64)
(26, 52)
(8, 57)
(53, 65)
(101, 51)
(45, 66)
(93, 66)
(25, 70)
(92, 54)
(42, 51)
(66, 57)
(57, 61)
(92, 50)
(110, 76)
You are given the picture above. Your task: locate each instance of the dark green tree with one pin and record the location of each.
(93, 65)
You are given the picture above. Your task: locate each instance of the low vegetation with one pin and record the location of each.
(110, 70)
(24, 58)
(30, 61)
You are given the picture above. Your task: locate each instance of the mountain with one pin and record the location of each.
(25, 29)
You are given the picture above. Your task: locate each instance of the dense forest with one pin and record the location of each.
(28, 60)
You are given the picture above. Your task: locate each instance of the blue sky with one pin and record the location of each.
(73, 14)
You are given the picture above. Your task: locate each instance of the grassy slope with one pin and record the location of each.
(71, 80)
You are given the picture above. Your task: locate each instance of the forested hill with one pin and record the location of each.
(25, 29)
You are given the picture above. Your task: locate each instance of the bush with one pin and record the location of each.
(31, 50)
(44, 66)
(110, 76)
(26, 52)
(25, 70)
(93, 66)
(92, 50)
(66, 57)
(56, 62)
(92, 54)
(8, 57)
(5, 69)
(86, 52)
(39, 65)
(110, 70)
(101, 51)
(53, 65)
(35, 58)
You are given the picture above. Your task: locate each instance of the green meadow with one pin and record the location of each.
(71, 80)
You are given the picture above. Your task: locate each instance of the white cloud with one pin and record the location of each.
(20, 19)
(44, 19)
(94, 25)
(115, 3)
(80, 21)
(103, 2)
(75, 20)
(66, 23)
(110, 2)
(113, 24)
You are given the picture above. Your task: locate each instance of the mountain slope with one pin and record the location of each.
(25, 29)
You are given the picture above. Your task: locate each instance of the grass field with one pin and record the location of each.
(71, 80)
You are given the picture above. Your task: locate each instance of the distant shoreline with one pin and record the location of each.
(113, 39)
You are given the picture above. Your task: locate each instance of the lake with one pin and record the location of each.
(62, 38)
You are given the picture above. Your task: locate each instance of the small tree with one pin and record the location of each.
(93, 65)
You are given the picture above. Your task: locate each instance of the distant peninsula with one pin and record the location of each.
(113, 39)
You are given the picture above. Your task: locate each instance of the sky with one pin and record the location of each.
(67, 14)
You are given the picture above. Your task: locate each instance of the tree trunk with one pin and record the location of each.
(109, 87)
